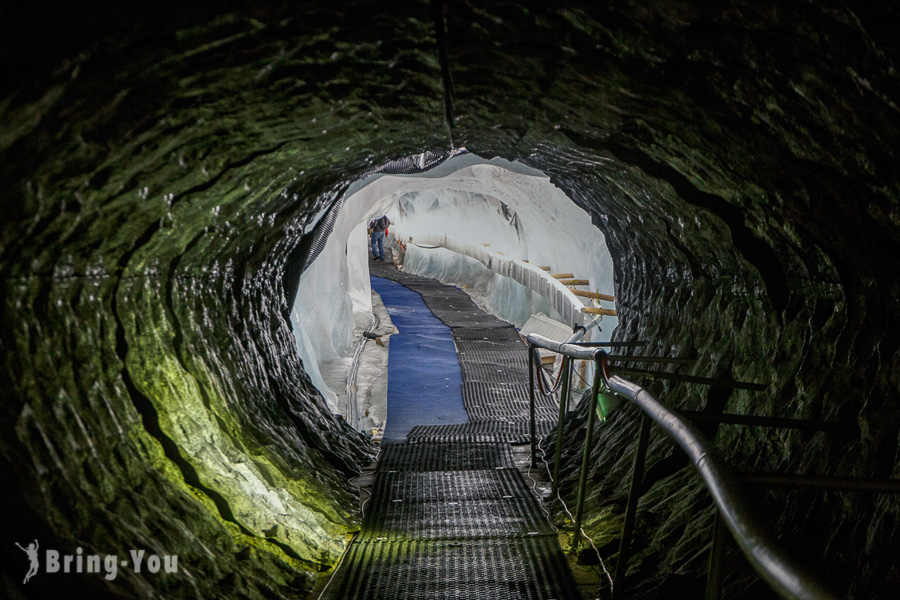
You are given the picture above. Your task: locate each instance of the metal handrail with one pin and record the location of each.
(778, 569)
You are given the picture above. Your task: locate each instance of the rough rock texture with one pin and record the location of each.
(162, 169)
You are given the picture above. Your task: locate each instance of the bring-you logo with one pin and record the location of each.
(107, 565)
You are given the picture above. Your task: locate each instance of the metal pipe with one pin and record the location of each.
(634, 492)
(565, 374)
(577, 332)
(563, 405)
(570, 349)
(780, 571)
(588, 442)
(782, 422)
(531, 351)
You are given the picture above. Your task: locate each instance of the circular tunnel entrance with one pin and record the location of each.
(498, 229)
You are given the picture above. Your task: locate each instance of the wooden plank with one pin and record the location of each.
(544, 268)
(598, 311)
(594, 295)
(563, 275)
(575, 282)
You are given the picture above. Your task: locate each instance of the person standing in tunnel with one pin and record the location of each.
(378, 227)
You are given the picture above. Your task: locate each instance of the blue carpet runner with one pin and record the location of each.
(424, 378)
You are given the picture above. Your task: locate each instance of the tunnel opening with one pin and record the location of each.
(498, 229)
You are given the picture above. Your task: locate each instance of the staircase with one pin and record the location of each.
(450, 515)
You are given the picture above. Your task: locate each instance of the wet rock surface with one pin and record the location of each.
(163, 170)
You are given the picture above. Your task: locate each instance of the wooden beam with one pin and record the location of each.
(563, 275)
(594, 295)
(544, 268)
(598, 311)
(575, 282)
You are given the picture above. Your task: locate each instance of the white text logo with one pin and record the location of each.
(107, 565)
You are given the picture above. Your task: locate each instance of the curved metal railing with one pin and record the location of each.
(779, 570)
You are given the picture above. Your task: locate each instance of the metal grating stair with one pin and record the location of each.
(511, 432)
(450, 516)
(444, 457)
(453, 520)
(500, 569)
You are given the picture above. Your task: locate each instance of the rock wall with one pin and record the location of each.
(163, 170)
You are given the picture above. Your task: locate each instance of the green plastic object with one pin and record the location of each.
(607, 402)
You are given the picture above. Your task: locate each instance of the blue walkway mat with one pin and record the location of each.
(424, 377)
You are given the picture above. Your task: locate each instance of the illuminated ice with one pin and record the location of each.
(498, 205)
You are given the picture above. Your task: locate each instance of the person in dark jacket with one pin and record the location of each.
(378, 227)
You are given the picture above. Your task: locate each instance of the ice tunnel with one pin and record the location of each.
(172, 175)
(465, 204)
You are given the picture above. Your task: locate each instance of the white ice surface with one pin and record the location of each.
(516, 292)
(372, 377)
(512, 207)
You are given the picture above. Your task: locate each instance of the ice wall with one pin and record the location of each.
(334, 295)
(502, 296)
(511, 207)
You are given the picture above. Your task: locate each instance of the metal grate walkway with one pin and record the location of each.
(450, 516)
(494, 364)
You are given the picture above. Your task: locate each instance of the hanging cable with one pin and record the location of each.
(572, 518)
(541, 375)
(534, 491)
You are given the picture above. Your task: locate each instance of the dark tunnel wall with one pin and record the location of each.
(162, 168)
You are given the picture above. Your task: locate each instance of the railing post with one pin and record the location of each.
(779, 570)
(715, 576)
(585, 457)
(563, 407)
(637, 476)
(531, 351)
